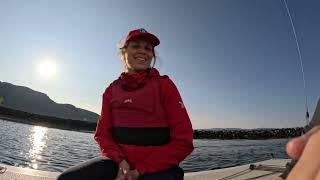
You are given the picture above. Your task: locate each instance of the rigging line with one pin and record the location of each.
(301, 62)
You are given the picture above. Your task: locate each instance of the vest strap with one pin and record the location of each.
(150, 136)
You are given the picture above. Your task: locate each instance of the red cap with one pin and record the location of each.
(142, 33)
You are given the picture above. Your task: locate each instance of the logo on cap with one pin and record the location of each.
(143, 30)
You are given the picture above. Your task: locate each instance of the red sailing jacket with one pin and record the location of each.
(156, 105)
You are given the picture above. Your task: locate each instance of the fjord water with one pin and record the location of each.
(50, 149)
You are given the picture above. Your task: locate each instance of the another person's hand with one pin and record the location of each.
(124, 169)
(133, 175)
(306, 150)
(296, 146)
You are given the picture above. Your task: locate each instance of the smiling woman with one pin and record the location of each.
(47, 69)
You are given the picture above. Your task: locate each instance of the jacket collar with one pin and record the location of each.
(131, 82)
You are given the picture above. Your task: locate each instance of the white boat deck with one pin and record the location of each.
(269, 169)
(17, 173)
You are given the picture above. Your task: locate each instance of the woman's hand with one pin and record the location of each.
(123, 171)
(306, 150)
(133, 175)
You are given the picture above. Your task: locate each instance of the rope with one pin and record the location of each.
(2, 169)
(236, 174)
(271, 168)
(301, 62)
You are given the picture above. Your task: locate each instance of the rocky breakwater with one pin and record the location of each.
(248, 133)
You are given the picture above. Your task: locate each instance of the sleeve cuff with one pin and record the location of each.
(115, 159)
(119, 160)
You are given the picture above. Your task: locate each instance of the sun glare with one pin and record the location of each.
(47, 69)
(38, 140)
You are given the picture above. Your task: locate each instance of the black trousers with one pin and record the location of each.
(106, 169)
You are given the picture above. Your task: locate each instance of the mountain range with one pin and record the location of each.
(31, 101)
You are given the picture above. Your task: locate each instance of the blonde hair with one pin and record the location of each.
(122, 51)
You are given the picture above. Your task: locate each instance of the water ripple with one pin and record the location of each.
(55, 150)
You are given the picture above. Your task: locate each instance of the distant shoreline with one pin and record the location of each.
(89, 127)
(47, 121)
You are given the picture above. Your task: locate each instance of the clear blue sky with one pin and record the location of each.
(234, 62)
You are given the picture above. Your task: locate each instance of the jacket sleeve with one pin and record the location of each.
(181, 133)
(103, 135)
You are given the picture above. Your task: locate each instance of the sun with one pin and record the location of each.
(47, 69)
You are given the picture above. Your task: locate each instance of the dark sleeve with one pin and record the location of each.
(315, 121)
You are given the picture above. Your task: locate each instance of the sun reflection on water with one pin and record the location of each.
(38, 142)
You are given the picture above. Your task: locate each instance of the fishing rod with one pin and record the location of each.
(301, 61)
